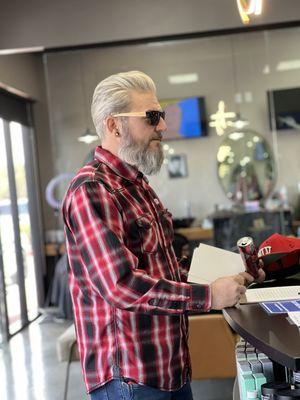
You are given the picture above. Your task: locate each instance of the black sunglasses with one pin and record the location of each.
(153, 116)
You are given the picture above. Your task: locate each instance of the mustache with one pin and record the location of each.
(157, 137)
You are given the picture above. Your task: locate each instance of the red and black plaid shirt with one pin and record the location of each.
(129, 293)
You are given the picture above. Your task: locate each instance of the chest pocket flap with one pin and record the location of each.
(148, 232)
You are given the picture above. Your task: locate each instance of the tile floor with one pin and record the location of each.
(29, 369)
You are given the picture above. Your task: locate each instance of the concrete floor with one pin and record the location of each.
(29, 369)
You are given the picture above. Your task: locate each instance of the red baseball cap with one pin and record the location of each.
(280, 255)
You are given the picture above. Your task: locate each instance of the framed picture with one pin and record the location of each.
(177, 166)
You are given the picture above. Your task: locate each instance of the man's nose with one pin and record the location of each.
(162, 125)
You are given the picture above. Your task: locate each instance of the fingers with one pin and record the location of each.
(239, 292)
(240, 279)
(261, 275)
(243, 290)
(248, 278)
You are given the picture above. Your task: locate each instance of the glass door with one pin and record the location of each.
(21, 260)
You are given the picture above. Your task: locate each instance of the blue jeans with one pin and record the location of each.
(120, 390)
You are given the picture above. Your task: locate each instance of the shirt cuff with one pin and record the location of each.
(200, 298)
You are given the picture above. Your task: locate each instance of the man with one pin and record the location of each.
(129, 294)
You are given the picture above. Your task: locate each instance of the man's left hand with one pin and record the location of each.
(250, 279)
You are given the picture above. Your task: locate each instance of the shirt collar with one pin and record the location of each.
(119, 166)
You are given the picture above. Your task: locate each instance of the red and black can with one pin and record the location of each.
(249, 255)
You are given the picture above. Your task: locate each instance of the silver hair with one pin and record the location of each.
(112, 95)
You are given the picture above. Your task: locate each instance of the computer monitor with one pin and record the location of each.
(185, 118)
(284, 107)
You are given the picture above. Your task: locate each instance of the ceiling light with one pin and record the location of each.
(288, 65)
(183, 78)
(88, 137)
(236, 135)
(219, 119)
(249, 7)
(266, 69)
(6, 52)
(238, 122)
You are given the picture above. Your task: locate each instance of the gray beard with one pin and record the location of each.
(139, 155)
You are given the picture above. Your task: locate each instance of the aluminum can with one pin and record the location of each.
(249, 255)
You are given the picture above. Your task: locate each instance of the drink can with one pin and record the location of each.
(249, 255)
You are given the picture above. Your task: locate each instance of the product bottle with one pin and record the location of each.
(268, 390)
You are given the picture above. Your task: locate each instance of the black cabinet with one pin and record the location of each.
(231, 226)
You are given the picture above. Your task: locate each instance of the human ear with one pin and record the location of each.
(111, 125)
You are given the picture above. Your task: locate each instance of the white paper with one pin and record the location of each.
(295, 317)
(210, 263)
(271, 294)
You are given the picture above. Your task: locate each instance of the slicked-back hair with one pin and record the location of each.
(112, 96)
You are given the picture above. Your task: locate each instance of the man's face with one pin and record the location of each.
(141, 142)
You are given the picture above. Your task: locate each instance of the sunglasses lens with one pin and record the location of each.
(154, 116)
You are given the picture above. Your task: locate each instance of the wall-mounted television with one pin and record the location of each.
(284, 105)
(185, 118)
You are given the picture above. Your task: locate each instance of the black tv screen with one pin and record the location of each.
(285, 105)
(185, 118)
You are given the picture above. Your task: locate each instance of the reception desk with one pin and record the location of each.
(271, 334)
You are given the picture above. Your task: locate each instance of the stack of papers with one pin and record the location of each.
(295, 317)
(210, 263)
(271, 294)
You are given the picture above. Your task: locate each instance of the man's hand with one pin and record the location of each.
(261, 276)
(261, 273)
(249, 278)
(227, 291)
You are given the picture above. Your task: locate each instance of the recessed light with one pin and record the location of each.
(183, 78)
(288, 65)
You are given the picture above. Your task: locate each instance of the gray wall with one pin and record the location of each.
(73, 76)
(74, 22)
(26, 73)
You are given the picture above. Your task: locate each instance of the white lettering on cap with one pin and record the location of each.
(264, 251)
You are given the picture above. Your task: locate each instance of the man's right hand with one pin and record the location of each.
(227, 291)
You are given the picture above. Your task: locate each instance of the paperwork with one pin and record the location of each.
(210, 263)
(295, 317)
(271, 294)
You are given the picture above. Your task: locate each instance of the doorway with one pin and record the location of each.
(21, 258)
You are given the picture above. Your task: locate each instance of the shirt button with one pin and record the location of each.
(156, 201)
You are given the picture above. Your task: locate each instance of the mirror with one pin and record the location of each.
(246, 166)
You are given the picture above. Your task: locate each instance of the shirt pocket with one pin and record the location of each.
(166, 220)
(148, 234)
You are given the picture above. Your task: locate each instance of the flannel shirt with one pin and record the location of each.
(129, 294)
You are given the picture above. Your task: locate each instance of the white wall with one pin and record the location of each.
(73, 76)
(75, 22)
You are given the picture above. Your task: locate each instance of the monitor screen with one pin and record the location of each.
(285, 105)
(185, 118)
